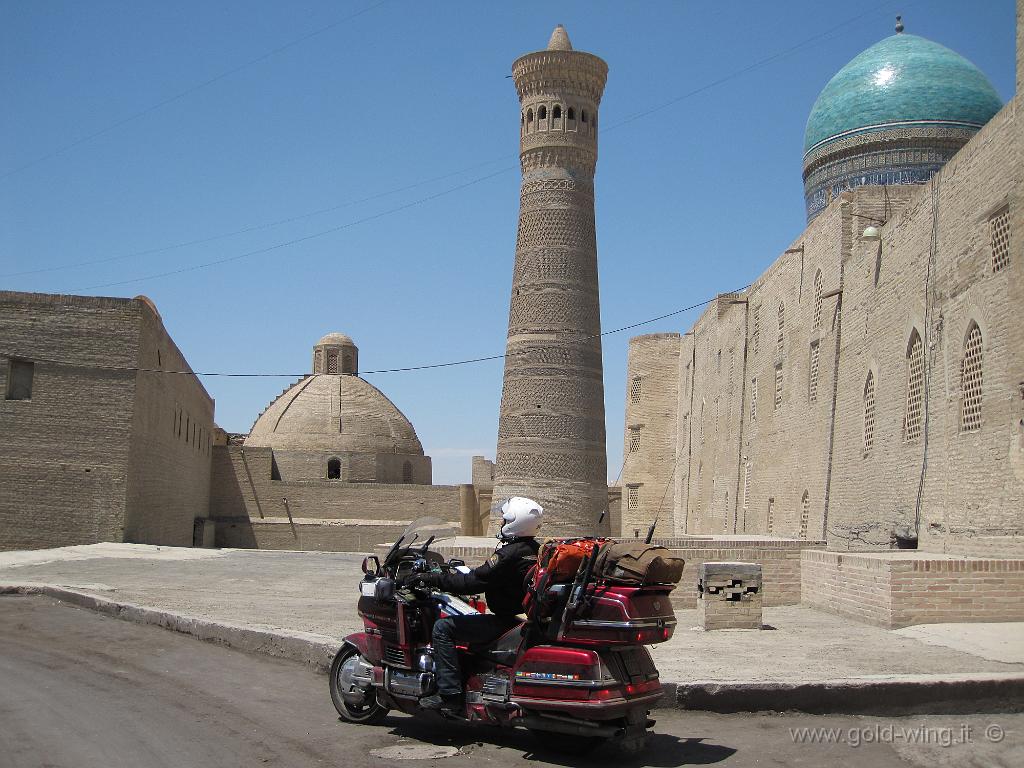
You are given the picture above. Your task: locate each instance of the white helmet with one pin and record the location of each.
(521, 517)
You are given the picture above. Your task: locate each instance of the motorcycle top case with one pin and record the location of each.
(614, 615)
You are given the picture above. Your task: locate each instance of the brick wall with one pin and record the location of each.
(900, 589)
(64, 452)
(171, 442)
(251, 509)
(90, 456)
(801, 466)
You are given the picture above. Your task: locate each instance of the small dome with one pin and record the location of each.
(334, 414)
(902, 79)
(336, 339)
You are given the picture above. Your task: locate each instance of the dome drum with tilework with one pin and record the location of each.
(894, 115)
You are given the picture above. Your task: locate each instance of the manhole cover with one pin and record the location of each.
(415, 752)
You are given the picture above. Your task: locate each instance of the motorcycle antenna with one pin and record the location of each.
(426, 544)
(600, 518)
(650, 531)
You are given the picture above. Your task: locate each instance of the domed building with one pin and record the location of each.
(894, 115)
(334, 425)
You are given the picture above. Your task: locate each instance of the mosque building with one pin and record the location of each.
(866, 390)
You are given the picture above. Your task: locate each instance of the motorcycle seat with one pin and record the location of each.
(504, 650)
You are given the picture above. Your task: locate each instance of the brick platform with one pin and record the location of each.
(897, 589)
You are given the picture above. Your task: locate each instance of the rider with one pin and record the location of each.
(502, 578)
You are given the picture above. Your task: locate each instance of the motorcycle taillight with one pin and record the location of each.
(550, 664)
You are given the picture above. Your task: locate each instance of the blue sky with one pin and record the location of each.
(382, 136)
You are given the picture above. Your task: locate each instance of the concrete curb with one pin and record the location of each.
(874, 695)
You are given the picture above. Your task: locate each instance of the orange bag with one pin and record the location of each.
(562, 559)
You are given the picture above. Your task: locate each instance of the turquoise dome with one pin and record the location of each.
(903, 79)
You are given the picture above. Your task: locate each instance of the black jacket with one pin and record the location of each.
(502, 577)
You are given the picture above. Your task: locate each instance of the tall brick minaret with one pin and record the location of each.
(551, 436)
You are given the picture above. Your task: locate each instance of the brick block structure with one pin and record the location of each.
(897, 589)
(100, 442)
(729, 596)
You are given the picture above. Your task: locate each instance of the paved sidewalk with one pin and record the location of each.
(314, 592)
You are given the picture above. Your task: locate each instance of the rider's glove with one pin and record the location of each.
(430, 579)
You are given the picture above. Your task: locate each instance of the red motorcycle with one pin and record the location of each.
(575, 672)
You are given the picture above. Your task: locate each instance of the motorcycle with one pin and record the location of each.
(575, 672)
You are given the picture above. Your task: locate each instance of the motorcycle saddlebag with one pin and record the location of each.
(638, 564)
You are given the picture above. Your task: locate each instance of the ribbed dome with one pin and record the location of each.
(336, 338)
(904, 79)
(335, 414)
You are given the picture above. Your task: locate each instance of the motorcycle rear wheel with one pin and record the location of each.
(367, 711)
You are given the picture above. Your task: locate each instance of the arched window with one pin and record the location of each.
(542, 113)
(334, 469)
(971, 381)
(570, 114)
(869, 412)
(782, 329)
(805, 513)
(583, 115)
(818, 290)
(529, 116)
(556, 112)
(407, 472)
(915, 388)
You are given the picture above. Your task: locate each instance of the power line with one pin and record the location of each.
(182, 94)
(429, 366)
(297, 240)
(299, 217)
(252, 228)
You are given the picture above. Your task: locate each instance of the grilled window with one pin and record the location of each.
(999, 231)
(755, 334)
(778, 386)
(634, 439)
(632, 497)
(635, 390)
(332, 362)
(805, 513)
(869, 412)
(818, 290)
(770, 522)
(746, 486)
(753, 399)
(782, 330)
(812, 383)
(971, 381)
(407, 472)
(915, 388)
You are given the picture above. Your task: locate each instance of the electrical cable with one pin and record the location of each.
(266, 225)
(430, 366)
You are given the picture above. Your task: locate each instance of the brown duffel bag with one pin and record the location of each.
(638, 564)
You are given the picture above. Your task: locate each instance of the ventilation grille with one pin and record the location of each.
(394, 656)
(818, 290)
(778, 387)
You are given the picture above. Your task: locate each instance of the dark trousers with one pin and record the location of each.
(467, 630)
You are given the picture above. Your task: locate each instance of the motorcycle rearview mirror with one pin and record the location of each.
(456, 563)
(371, 565)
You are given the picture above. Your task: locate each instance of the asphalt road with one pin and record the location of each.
(79, 690)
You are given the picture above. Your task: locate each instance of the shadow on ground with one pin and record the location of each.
(662, 750)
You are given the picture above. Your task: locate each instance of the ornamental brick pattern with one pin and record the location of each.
(551, 436)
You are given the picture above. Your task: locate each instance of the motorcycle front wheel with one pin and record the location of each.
(355, 700)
